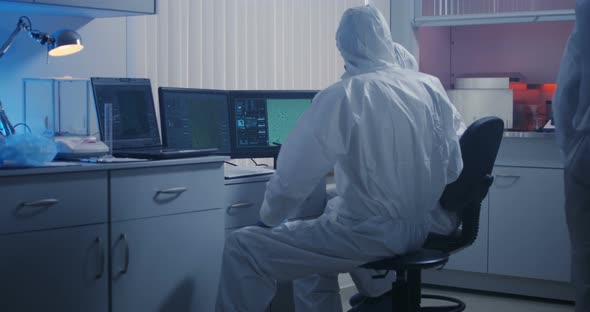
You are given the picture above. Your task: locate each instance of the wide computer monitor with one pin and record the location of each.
(262, 120)
(195, 119)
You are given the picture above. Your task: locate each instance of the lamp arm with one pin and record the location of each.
(25, 23)
(20, 26)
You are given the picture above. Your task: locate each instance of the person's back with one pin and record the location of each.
(398, 162)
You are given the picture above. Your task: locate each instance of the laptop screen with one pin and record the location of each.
(134, 118)
(195, 118)
(262, 120)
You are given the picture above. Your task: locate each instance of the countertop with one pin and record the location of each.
(83, 167)
(529, 135)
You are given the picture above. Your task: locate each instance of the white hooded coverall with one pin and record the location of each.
(572, 125)
(390, 135)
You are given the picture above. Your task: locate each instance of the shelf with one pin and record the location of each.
(496, 18)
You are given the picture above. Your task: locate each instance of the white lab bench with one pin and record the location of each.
(141, 236)
(523, 245)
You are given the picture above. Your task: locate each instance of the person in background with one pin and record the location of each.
(390, 134)
(572, 126)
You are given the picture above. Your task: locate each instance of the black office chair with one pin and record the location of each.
(479, 147)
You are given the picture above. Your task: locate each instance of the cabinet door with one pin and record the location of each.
(475, 257)
(528, 232)
(140, 6)
(55, 270)
(168, 263)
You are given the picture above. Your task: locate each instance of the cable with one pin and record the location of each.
(257, 164)
(23, 124)
(229, 163)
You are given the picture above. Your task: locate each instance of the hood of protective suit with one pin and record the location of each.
(365, 43)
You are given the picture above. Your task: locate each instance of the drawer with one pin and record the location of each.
(157, 191)
(243, 204)
(245, 200)
(50, 201)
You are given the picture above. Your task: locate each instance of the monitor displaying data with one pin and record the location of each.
(195, 118)
(263, 120)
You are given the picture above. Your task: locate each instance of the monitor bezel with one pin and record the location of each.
(161, 91)
(260, 152)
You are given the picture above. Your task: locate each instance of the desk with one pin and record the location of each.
(141, 236)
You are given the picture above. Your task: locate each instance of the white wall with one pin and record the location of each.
(234, 44)
(401, 22)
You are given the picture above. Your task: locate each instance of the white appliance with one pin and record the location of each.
(75, 147)
(474, 104)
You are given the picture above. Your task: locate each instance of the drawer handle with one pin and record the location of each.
(45, 203)
(514, 179)
(174, 191)
(101, 258)
(125, 267)
(240, 206)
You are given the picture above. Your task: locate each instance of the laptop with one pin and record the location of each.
(134, 122)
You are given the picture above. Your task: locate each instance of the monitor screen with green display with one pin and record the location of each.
(263, 120)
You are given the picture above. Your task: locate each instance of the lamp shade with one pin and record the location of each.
(66, 42)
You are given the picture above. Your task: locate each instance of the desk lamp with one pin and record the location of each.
(64, 42)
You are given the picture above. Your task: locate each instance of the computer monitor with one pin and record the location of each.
(195, 118)
(262, 120)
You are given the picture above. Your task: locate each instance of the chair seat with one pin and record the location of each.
(420, 259)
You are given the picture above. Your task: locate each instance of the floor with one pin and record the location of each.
(486, 302)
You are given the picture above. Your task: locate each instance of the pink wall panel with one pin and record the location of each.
(435, 52)
(532, 49)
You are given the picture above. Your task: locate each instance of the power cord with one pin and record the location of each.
(257, 164)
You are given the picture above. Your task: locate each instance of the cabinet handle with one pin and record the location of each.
(240, 206)
(125, 267)
(514, 179)
(101, 258)
(174, 191)
(46, 203)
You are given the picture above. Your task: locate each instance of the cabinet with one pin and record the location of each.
(472, 12)
(169, 263)
(55, 270)
(139, 6)
(140, 236)
(528, 234)
(86, 8)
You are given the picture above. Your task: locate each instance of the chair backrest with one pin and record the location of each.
(479, 148)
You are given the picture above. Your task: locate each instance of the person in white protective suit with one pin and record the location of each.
(390, 136)
(572, 126)
(374, 294)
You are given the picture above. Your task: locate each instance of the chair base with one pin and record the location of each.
(360, 303)
(458, 305)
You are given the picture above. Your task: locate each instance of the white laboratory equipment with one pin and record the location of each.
(63, 107)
